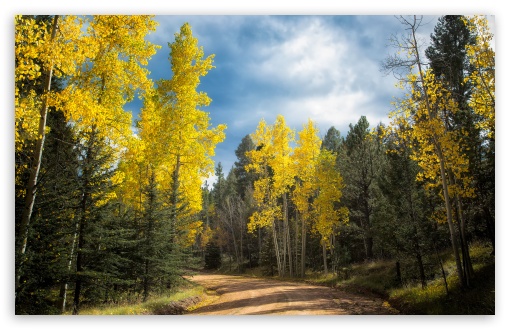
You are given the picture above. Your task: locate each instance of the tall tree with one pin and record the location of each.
(483, 102)
(219, 186)
(426, 111)
(173, 120)
(271, 160)
(450, 64)
(28, 37)
(329, 186)
(305, 160)
(360, 168)
(168, 160)
(244, 178)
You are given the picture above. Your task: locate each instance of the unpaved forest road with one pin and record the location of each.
(254, 296)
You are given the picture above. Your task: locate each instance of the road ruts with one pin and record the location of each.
(240, 295)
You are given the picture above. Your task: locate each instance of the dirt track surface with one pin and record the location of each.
(254, 296)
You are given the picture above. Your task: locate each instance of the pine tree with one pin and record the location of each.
(360, 168)
(426, 110)
(245, 179)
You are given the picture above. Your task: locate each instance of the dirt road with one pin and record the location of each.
(239, 295)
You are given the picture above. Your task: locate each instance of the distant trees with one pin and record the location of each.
(304, 172)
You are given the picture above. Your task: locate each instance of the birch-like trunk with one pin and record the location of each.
(439, 153)
(64, 285)
(31, 189)
(325, 258)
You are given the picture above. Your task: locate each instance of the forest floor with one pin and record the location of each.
(239, 295)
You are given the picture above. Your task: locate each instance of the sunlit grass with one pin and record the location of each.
(149, 307)
(378, 277)
(433, 299)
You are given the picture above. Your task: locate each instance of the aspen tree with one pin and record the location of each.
(305, 162)
(482, 57)
(175, 122)
(329, 185)
(174, 146)
(271, 160)
(425, 110)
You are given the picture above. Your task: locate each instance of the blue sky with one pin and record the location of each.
(326, 68)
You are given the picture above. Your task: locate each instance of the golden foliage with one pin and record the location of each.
(483, 58)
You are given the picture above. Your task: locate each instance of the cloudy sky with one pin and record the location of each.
(326, 68)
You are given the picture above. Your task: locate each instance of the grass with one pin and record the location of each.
(153, 305)
(479, 299)
(378, 278)
(369, 278)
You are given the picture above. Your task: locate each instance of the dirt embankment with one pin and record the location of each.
(237, 295)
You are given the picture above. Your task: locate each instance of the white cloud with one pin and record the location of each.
(325, 76)
(308, 59)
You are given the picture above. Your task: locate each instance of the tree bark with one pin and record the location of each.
(325, 258)
(296, 243)
(451, 227)
(79, 260)
(287, 233)
(277, 250)
(63, 287)
(440, 155)
(31, 188)
(303, 246)
(468, 266)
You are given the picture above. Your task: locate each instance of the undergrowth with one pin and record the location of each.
(379, 278)
(152, 306)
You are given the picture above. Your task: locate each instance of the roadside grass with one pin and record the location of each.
(379, 278)
(154, 305)
(479, 299)
(369, 278)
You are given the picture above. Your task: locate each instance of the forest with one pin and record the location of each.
(108, 213)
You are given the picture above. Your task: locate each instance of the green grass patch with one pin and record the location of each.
(374, 277)
(152, 306)
(479, 299)
(379, 278)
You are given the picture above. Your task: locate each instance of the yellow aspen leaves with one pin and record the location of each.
(112, 54)
(309, 172)
(427, 128)
(329, 185)
(173, 125)
(483, 58)
(305, 160)
(175, 140)
(272, 161)
(29, 39)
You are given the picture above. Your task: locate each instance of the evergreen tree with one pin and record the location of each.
(333, 140)
(361, 167)
(46, 262)
(408, 229)
(245, 179)
(218, 191)
(450, 63)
